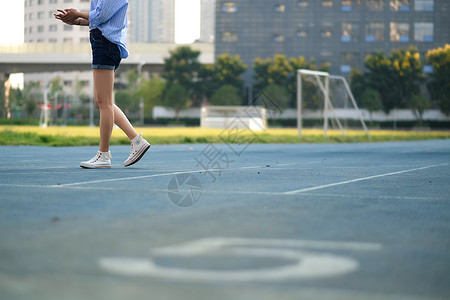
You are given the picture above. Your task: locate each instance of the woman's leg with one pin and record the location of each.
(122, 121)
(103, 89)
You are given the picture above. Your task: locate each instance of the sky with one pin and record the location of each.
(187, 21)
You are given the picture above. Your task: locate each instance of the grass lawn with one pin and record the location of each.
(84, 136)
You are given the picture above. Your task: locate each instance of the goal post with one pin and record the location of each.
(327, 99)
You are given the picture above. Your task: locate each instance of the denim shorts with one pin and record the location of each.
(105, 54)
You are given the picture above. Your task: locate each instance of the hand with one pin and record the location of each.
(68, 16)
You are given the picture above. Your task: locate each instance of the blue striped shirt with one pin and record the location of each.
(110, 17)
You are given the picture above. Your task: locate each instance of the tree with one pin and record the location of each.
(126, 99)
(408, 71)
(31, 93)
(396, 78)
(358, 84)
(439, 82)
(226, 95)
(3, 108)
(381, 79)
(183, 68)
(419, 103)
(176, 97)
(279, 95)
(227, 70)
(283, 72)
(371, 101)
(151, 90)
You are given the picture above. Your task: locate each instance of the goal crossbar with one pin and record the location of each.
(325, 89)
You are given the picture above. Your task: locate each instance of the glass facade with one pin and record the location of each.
(375, 32)
(399, 32)
(339, 31)
(424, 32)
(400, 5)
(350, 32)
(375, 5)
(424, 5)
(229, 7)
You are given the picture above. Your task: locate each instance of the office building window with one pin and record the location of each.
(280, 8)
(326, 33)
(40, 40)
(423, 32)
(50, 14)
(68, 28)
(278, 38)
(84, 40)
(30, 30)
(349, 60)
(350, 32)
(399, 32)
(52, 28)
(400, 5)
(428, 69)
(30, 16)
(346, 5)
(40, 15)
(229, 7)
(53, 1)
(41, 28)
(424, 5)
(301, 33)
(327, 3)
(68, 40)
(52, 40)
(302, 3)
(375, 5)
(40, 2)
(67, 83)
(85, 1)
(374, 32)
(229, 37)
(68, 1)
(30, 3)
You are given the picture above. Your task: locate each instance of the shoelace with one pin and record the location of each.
(132, 144)
(97, 157)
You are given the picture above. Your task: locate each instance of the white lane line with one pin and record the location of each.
(123, 178)
(146, 176)
(359, 179)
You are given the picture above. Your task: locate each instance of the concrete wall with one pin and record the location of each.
(394, 115)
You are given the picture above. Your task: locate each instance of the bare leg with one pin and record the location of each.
(104, 84)
(122, 121)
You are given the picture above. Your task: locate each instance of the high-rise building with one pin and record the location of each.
(341, 32)
(151, 21)
(207, 22)
(40, 26)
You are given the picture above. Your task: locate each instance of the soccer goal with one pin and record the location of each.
(328, 97)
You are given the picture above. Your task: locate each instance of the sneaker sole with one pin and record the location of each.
(97, 167)
(139, 156)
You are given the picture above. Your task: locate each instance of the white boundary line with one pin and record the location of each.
(359, 179)
(148, 176)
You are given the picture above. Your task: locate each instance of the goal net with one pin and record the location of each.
(321, 96)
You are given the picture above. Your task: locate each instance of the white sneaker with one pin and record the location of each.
(138, 148)
(99, 161)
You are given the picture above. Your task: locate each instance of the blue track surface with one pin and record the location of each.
(323, 221)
